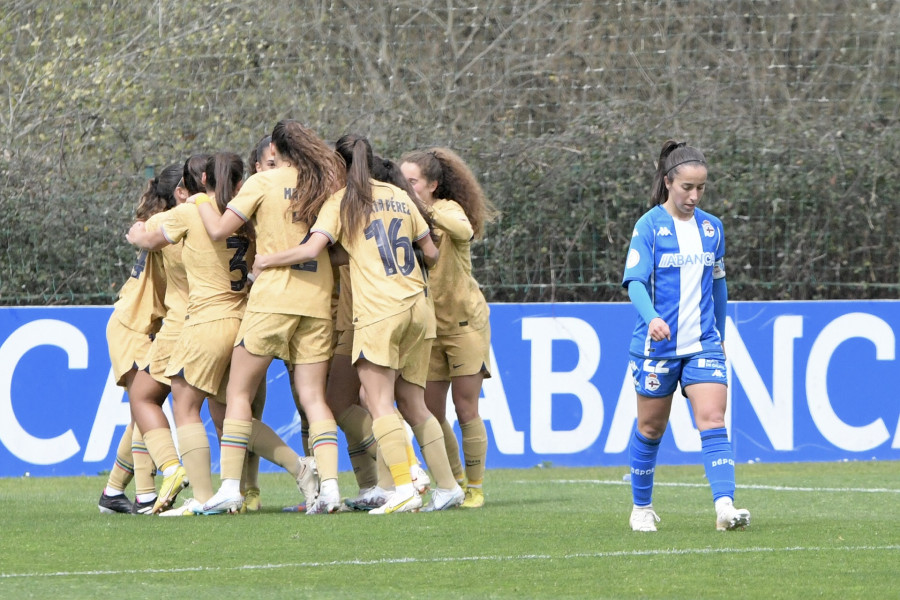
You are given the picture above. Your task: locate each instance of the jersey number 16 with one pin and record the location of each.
(389, 243)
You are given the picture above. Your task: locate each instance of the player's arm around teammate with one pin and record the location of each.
(216, 272)
(377, 224)
(675, 276)
(289, 309)
(135, 321)
(261, 158)
(343, 390)
(460, 356)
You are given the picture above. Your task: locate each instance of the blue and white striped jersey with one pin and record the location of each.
(677, 262)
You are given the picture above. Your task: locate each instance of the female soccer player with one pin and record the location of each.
(151, 386)
(343, 389)
(460, 356)
(216, 302)
(289, 310)
(675, 276)
(136, 319)
(378, 224)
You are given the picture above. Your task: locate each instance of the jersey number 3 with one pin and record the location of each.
(238, 261)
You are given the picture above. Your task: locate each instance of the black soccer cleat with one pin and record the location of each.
(109, 505)
(143, 508)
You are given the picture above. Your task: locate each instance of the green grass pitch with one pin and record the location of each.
(819, 530)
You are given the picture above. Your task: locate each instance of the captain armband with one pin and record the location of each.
(719, 269)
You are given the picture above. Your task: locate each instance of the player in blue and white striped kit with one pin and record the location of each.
(675, 276)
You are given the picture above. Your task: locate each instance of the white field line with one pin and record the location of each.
(461, 559)
(773, 488)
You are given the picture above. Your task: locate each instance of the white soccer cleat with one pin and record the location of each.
(420, 478)
(368, 499)
(442, 499)
(328, 500)
(404, 499)
(728, 517)
(190, 508)
(222, 502)
(308, 480)
(643, 518)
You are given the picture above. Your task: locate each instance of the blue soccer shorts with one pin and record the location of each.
(658, 378)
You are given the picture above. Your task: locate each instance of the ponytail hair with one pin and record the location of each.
(159, 195)
(193, 173)
(356, 206)
(224, 172)
(671, 157)
(455, 181)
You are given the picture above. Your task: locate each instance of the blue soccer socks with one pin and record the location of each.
(718, 462)
(643, 466)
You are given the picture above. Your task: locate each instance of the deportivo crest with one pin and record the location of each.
(708, 229)
(634, 258)
(651, 382)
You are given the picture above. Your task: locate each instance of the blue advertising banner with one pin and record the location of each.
(809, 381)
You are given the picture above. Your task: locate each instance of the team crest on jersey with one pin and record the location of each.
(708, 229)
(651, 382)
(663, 231)
(634, 257)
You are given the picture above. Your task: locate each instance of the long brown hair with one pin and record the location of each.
(159, 194)
(455, 181)
(318, 170)
(356, 206)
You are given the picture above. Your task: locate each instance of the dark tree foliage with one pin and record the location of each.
(560, 107)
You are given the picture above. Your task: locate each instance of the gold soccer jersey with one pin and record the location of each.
(459, 305)
(386, 278)
(304, 289)
(176, 298)
(216, 271)
(140, 306)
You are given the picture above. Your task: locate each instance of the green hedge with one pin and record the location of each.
(801, 222)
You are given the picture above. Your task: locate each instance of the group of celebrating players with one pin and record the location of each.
(234, 271)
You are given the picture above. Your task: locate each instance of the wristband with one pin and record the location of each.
(202, 199)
